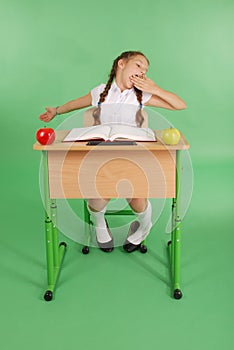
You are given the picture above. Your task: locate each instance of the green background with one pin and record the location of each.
(54, 51)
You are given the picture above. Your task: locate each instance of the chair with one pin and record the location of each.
(89, 121)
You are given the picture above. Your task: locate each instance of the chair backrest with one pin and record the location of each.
(89, 120)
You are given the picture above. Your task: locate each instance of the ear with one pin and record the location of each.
(121, 63)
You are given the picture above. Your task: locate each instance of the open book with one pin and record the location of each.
(110, 133)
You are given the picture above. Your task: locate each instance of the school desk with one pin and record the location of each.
(75, 170)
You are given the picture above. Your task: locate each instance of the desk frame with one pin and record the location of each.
(55, 251)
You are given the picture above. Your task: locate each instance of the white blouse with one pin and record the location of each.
(118, 107)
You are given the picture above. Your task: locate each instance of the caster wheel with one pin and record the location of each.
(63, 243)
(85, 250)
(143, 248)
(168, 243)
(48, 295)
(177, 294)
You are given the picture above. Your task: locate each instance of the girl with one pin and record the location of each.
(127, 84)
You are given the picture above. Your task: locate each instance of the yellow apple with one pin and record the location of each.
(171, 136)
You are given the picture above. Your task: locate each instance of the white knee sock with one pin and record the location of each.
(98, 218)
(144, 218)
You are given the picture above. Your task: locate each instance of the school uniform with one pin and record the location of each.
(118, 107)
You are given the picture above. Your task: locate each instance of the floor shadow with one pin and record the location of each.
(140, 261)
(21, 256)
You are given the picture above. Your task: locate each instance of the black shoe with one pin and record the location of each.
(107, 247)
(128, 246)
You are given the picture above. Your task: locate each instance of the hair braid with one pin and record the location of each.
(97, 111)
(139, 116)
(107, 87)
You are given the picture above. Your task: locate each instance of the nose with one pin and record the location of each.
(140, 75)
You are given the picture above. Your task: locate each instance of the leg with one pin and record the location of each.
(97, 209)
(171, 244)
(53, 209)
(92, 205)
(138, 204)
(97, 204)
(176, 232)
(87, 222)
(140, 229)
(54, 251)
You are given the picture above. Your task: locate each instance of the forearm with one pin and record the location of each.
(160, 97)
(68, 107)
(169, 97)
(80, 102)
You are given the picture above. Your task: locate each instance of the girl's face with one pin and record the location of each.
(136, 65)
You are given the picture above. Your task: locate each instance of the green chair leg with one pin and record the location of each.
(85, 249)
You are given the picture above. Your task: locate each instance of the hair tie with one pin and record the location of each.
(99, 104)
(141, 105)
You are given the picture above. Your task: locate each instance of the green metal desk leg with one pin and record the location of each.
(54, 250)
(176, 232)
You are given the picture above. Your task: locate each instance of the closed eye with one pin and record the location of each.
(141, 66)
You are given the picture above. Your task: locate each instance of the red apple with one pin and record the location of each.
(45, 136)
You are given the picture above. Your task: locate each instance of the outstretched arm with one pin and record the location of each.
(160, 98)
(78, 103)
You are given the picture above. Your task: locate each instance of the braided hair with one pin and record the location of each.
(124, 55)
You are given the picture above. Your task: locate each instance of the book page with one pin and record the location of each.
(131, 132)
(81, 134)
